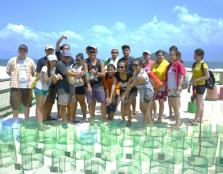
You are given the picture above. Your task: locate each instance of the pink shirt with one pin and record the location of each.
(149, 65)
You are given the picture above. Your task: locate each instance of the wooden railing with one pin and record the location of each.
(5, 107)
(218, 74)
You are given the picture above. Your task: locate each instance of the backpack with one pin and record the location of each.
(209, 83)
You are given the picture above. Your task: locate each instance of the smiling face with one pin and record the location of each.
(122, 67)
(53, 63)
(126, 52)
(49, 52)
(22, 53)
(92, 53)
(173, 56)
(159, 56)
(79, 61)
(111, 70)
(136, 66)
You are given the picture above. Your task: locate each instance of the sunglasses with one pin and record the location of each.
(92, 52)
(135, 65)
(121, 67)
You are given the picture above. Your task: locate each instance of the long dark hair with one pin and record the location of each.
(48, 68)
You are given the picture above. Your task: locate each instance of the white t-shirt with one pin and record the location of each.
(172, 84)
(40, 84)
(23, 80)
(114, 62)
(78, 81)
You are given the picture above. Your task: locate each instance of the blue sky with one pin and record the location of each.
(143, 24)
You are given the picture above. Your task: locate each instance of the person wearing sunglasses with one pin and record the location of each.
(126, 50)
(123, 78)
(79, 67)
(95, 73)
(142, 82)
(114, 57)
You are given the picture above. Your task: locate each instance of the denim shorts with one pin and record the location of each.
(98, 94)
(40, 92)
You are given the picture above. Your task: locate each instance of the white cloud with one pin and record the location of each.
(185, 16)
(190, 29)
(100, 29)
(25, 33)
(119, 26)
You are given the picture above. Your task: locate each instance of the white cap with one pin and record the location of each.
(147, 51)
(49, 47)
(91, 46)
(52, 57)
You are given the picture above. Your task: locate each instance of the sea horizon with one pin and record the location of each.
(187, 64)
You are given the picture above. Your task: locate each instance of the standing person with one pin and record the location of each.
(21, 69)
(63, 47)
(174, 79)
(107, 83)
(46, 77)
(128, 59)
(142, 82)
(200, 73)
(123, 77)
(159, 69)
(147, 63)
(173, 48)
(95, 91)
(81, 67)
(114, 57)
(47, 108)
(65, 90)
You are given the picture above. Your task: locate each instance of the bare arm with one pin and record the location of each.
(133, 82)
(102, 73)
(180, 81)
(113, 88)
(45, 78)
(59, 42)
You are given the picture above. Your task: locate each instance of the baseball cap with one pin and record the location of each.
(147, 51)
(49, 47)
(24, 47)
(125, 46)
(91, 47)
(52, 57)
(65, 53)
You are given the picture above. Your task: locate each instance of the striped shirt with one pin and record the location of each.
(12, 70)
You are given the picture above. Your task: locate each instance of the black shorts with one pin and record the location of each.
(80, 90)
(200, 89)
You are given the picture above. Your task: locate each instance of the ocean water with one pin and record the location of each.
(212, 65)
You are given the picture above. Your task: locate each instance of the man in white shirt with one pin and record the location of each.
(114, 57)
(21, 69)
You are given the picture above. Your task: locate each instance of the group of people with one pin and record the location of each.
(74, 80)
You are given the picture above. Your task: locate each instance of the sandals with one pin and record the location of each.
(192, 123)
